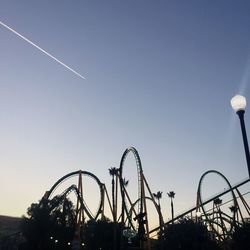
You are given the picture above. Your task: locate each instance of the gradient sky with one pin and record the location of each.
(159, 77)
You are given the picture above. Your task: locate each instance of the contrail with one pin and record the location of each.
(42, 50)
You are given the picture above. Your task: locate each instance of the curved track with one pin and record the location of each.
(139, 173)
(220, 223)
(139, 222)
(79, 195)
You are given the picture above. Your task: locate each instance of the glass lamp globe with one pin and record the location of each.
(238, 103)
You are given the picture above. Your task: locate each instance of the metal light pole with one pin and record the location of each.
(238, 103)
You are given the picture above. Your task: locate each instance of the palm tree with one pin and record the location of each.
(234, 210)
(217, 203)
(158, 196)
(171, 195)
(113, 172)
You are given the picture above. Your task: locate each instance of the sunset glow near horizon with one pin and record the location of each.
(160, 77)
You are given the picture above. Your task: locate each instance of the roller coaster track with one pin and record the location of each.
(139, 172)
(194, 208)
(74, 188)
(79, 197)
(128, 206)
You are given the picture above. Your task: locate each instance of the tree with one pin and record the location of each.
(234, 209)
(241, 237)
(217, 202)
(49, 222)
(99, 235)
(171, 195)
(158, 196)
(113, 172)
(187, 234)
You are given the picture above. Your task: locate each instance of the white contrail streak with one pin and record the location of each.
(42, 50)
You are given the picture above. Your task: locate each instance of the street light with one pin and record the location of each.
(238, 103)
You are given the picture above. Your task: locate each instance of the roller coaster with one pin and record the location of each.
(133, 213)
(221, 213)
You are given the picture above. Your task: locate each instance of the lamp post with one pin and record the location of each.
(238, 103)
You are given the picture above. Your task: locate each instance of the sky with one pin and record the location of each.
(159, 77)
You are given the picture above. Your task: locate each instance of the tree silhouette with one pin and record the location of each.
(158, 196)
(113, 173)
(99, 235)
(171, 195)
(217, 202)
(241, 237)
(234, 210)
(49, 222)
(188, 235)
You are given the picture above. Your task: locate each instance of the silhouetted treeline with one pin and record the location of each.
(51, 225)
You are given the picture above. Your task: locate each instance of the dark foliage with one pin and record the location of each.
(241, 237)
(49, 223)
(188, 235)
(100, 235)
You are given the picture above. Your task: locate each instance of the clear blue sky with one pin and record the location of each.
(159, 77)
